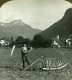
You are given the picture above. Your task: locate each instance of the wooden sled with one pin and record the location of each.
(52, 64)
(60, 67)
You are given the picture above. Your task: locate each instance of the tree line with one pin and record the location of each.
(37, 42)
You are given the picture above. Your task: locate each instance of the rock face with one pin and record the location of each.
(17, 28)
(63, 27)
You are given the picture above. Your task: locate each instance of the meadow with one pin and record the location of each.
(10, 66)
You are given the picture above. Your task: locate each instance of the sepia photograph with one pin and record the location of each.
(35, 40)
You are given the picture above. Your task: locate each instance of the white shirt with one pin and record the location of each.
(24, 49)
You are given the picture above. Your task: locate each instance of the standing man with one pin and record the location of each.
(24, 52)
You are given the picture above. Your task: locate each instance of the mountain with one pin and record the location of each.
(63, 27)
(17, 28)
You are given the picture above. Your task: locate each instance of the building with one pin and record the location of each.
(3, 43)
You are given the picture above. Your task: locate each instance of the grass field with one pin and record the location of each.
(10, 66)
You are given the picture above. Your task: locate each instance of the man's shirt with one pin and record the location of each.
(24, 50)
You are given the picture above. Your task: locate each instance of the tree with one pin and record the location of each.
(27, 41)
(11, 38)
(20, 40)
(47, 43)
(38, 41)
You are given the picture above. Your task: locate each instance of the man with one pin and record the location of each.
(24, 52)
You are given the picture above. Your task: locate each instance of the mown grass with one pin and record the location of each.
(10, 66)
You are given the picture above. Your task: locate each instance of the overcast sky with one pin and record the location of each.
(38, 13)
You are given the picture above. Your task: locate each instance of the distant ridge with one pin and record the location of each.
(17, 28)
(63, 27)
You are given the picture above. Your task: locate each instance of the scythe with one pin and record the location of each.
(12, 50)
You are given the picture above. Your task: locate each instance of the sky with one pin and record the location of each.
(40, 14)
